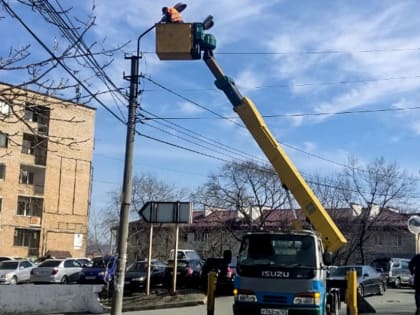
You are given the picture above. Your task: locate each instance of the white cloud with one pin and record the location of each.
(189, 108)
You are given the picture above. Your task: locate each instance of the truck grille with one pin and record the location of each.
(275, 299)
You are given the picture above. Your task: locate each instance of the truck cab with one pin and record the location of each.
(280, 273)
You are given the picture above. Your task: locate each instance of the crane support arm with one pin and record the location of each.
(287, 172)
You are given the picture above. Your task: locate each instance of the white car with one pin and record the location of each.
(57, 271)
(15, 271)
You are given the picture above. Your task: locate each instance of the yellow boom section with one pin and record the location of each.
(332, 237)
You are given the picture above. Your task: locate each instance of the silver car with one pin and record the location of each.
(15, 271)
(56, 271)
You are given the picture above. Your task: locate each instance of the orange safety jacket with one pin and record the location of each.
(175, 16)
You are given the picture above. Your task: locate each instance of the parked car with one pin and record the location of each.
(56, 271)
(2, 258)
(188, 273)
(101, 270)
(394, 269)
(136, 274)
(369, 281)
(225, 273)
(411, 281)
(185, 254)
(15, 271)
(85, 262)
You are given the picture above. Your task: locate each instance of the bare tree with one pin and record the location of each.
(375, 186)
(328, 191)
(146, 187)
(247, 188)
(66, 68)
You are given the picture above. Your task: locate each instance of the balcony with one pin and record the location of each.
(36, 147)
(31, 180)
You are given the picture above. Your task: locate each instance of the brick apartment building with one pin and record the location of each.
(46, 147)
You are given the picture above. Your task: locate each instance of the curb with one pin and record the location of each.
(162, 306)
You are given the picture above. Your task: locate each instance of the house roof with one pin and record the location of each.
(285, 217)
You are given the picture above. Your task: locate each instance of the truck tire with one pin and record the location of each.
(332, 307)
(335, 307)
(381, 289)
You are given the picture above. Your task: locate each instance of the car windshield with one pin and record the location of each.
(98, 263)
(9, 265)
(50, 263)
(138, 266)
(381, 264)
(101, 262)
(342, 271)
(83, 262)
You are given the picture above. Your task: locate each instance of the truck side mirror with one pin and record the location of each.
(327, 257)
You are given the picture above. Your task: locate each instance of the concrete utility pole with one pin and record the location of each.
(122, 237)
(117, 297)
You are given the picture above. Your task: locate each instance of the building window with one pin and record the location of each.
(4, 108)
(2, 172)
(3, 140)
(26, 177)
(26, 237)
(378, 239)
(34, 113)
(30, 206)
(28, 144)
(397, 240)
(201, 236)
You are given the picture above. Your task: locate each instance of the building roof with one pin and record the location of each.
(285, 217)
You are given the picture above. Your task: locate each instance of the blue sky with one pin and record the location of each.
(301, 62)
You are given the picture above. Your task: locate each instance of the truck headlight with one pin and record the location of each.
(244, 296)
(102, 273)
(308, 298)
(141, 279)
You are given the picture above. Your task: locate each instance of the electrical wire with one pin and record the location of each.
(161, 86)
(69, 71)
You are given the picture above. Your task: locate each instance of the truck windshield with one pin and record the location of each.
(278, 250)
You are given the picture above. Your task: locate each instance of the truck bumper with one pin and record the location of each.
(269, 309)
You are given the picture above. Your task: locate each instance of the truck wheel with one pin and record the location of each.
(397, 283)
(335, 309)
(381, 289)
(332, 307)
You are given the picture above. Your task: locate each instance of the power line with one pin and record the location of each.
(314, 52)
(76, 40)
(44, 46)
(348, 112)
(191, 101)
(169, 90)
(284, 144)
(200, 137)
